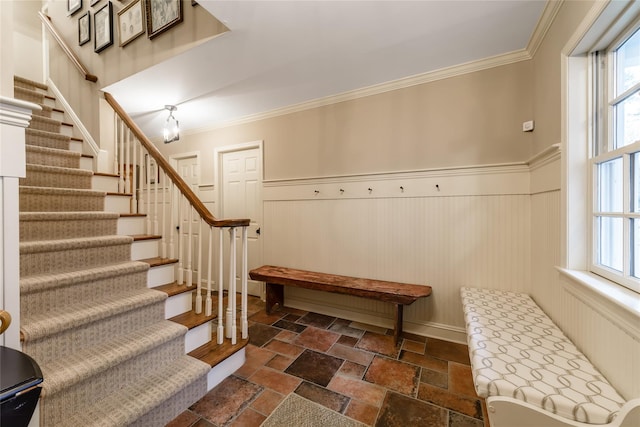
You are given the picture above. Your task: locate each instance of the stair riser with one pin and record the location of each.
(144, 249)
(178, 304)
(160, 275)
(71, 229)
(130, 226)
(87, 290)
(60, 203)
(104, 183)
(45, 124)
(174, 406)
(198, 336)
(24, 84)
(90, 333)
(118, 204)
(56, 180)
(27, 94)
(87, 163)
(46, 111)
(221, 371)
(73, 259)
(58, 142)
(48, 159)
(63, 404)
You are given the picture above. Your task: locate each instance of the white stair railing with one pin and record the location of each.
(158, 191)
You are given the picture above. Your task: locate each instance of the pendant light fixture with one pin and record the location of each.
(171, 127)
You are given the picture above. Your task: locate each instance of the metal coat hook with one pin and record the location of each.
(341, 191)
(370, 189)
(402, 188)
(437, 187)
(317, 192)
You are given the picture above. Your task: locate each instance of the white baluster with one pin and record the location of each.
(220, 284)
(180, 242)
(116, 158)
(243, 296)
(120, 139)
(127, 161)
(156, 177)
(148, 177)
(172, 223)
(163, 230)
(189, 270)
(199, 276)
(208, 308)
(134, 198)
(141, 172)
(231, 299)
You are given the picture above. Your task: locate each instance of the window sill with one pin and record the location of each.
(615, 295)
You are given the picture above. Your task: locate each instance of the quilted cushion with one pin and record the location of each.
(517, 351)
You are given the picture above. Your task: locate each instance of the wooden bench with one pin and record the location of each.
(530, 373)
(399, 294)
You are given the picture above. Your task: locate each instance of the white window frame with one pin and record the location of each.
(603, 138)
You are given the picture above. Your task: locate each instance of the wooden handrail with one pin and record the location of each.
(171, 172)
(72, 56)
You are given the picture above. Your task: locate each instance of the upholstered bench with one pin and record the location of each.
(530, 373)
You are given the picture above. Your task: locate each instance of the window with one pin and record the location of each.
(615, 161)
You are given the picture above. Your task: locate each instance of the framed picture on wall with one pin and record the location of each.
(103, 28)
(94, 2)
(131, 23)
(84, 28)
(73, 6)
(162, 15)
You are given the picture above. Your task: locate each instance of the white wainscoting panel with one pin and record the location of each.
(445, 241)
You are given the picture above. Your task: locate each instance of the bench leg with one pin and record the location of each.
(397, 325)
(275, 295)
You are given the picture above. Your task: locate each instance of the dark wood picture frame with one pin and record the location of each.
(103, 28)
(162, 15)
(73, 6)
(84, 28)
(131, 22)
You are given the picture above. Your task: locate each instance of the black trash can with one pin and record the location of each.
(20, 376)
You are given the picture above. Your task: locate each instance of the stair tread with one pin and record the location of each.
(51, 135)
(213, 353)
(156, 261)
(61, 374)
(60, 191)
(30, 82)
(192, 320)
(65, 318)
(76, 243)
(174, 288)
(52, 151)
(137, 399)
(110, 175)
(58, 169)
(142, 237)
(67, 216)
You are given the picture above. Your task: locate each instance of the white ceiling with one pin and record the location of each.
(282, 53)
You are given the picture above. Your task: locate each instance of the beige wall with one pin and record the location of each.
(115, 63)
(546, 73)
(471, 119)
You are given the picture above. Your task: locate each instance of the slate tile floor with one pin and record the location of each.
(351, 368)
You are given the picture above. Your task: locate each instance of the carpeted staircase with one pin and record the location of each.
(108, 356)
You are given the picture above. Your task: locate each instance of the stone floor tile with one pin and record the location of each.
(322, 396)
(284, 348)
(203, 423)
(362, 412)
(256, 358)
(352, 354)
(315, 367)
(317, 320)
(459, 420)
(462, 404)
(225, 401)
(414, 346)
(279, 362)
(260, 334)
(348, 341)
(425, 361)
(377, 343)
(267, 319)
(371, 328)
(461, 380)
(317, 339)
(290, 326)
(275, 380)
(447, 350)
(286, 336)
(394, 375)
(357, 389)
(267, 402)
(402, 411)
(345, 329)
(185, 419)
(435, 378)
(413, 337)
(248, 418)
(351, 369)
(293, 311)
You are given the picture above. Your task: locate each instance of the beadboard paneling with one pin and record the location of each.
(444, 241)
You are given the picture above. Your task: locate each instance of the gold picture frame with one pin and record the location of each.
(131, 22)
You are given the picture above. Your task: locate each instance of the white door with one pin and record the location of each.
(241, 198)
(189, 170)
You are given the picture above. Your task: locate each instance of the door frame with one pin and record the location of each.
(217, 179)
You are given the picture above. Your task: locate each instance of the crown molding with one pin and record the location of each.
(549, 14)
